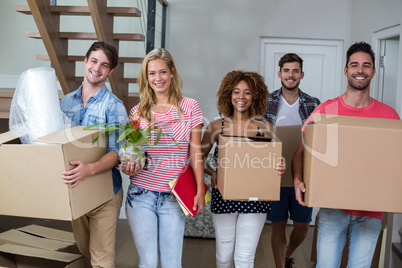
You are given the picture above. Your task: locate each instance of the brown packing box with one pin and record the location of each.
(247, 168)
(353, 163)
(290, 136)
(31, 183)
(37, 246)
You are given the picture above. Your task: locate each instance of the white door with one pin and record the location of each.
(385, 86)
(388, 71)
(322, 64)
(322, 67)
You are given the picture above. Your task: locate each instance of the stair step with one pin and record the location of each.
(84, 10)
(91, 36)
(81, 58)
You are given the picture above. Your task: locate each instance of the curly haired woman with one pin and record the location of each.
(242, 98)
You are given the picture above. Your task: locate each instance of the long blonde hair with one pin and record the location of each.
(147, 95)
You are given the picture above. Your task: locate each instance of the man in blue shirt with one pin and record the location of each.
(92, 103)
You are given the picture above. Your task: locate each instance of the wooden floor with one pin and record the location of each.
(197, 252)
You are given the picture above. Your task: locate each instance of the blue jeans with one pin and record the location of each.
(157, 224)
(334, 227)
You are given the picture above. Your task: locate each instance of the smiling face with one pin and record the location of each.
(359, 71)
(97, 68)
(290, 75)
(241, 97)
(159, 76)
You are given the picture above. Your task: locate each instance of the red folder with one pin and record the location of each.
(185, 189)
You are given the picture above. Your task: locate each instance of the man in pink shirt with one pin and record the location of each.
(335, 226)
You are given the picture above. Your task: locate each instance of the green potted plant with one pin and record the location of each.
(134, 139)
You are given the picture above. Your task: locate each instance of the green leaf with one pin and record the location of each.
(93, 142)
(96, 125)
(149, 143)
(158, 137)
(124, 134)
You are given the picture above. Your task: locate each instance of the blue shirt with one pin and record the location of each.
(102, 107)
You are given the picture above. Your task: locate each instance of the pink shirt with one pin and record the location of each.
(376, 109)
(165, 160)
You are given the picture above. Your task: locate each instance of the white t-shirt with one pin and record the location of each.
(288, 115)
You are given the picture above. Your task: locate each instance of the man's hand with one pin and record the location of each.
(300, 188)
(77, 174)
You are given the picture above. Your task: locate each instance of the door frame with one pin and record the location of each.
(385, 33)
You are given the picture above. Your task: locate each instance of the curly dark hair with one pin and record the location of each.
(258, 89)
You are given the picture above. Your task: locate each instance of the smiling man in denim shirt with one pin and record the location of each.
(92, 103)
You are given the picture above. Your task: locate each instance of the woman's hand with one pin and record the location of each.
(281, 167)
(199, 201)
(131, 169)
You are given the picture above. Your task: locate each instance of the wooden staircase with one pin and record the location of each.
(47, 19)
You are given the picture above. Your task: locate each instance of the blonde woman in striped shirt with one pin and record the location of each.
(155, 217)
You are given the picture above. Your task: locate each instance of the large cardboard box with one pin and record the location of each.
(290, 136)
(31, 183)
(353, 163)
(247, 168)
(38, 246)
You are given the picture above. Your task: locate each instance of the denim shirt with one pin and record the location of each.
(102, 107)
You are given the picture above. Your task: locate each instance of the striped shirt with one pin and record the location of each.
(166, 160)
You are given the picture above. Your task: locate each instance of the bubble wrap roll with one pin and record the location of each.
(35, 108)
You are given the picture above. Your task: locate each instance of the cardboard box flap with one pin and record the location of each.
(6, 137)
(20, 238)
(39, 253)
(267, 132)
(50, 233)
(351, 121)
(87, 192)
(74, 134)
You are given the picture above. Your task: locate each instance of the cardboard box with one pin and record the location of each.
(290, 136)
(353, 163)
(31, 183)
(37, 246)
(247, 168)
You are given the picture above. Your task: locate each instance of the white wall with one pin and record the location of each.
(210, 38)
(17, 52)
